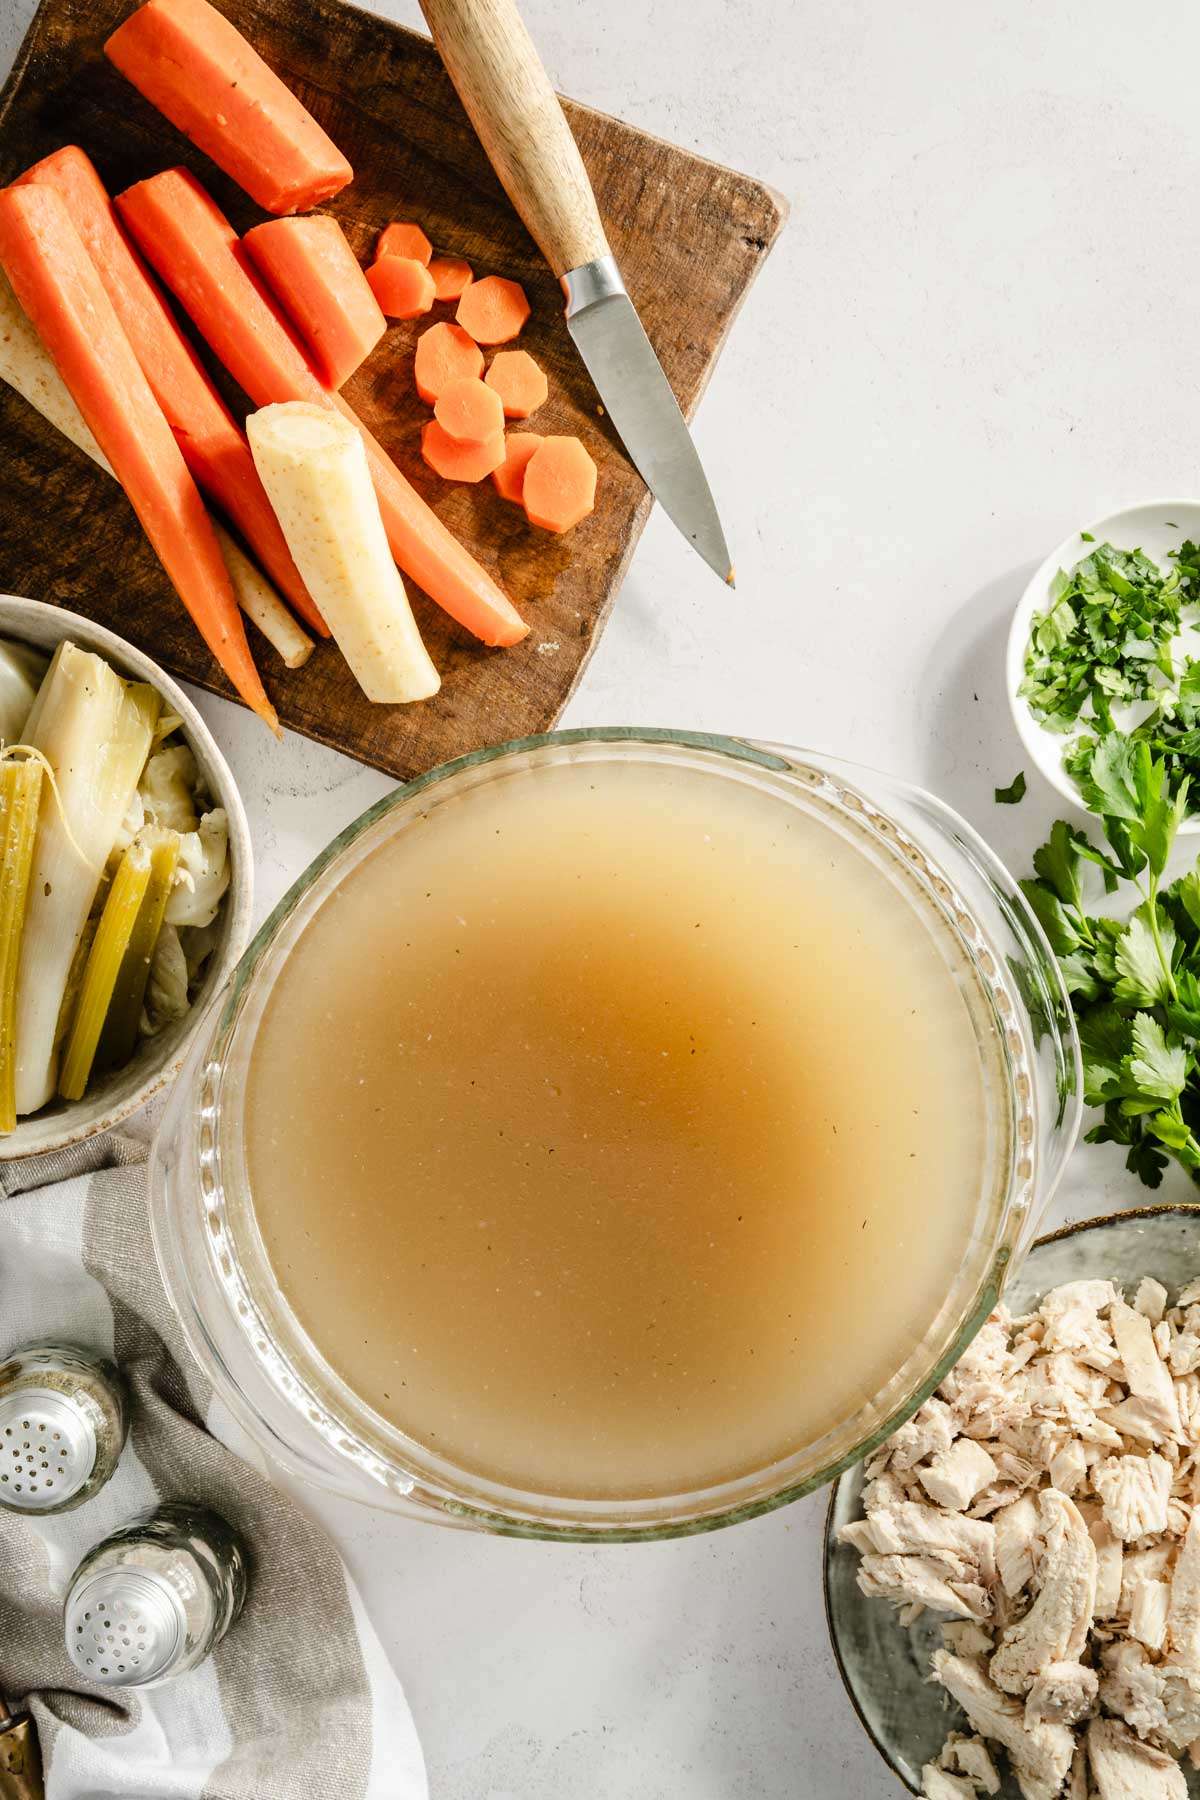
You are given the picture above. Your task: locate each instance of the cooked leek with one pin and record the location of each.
(118, 923)
(20, 793)
(118, 1035)
(95, 732)
(21, 674)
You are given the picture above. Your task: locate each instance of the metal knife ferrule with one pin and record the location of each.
(599, 280)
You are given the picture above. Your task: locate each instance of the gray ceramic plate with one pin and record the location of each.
(885, 1667)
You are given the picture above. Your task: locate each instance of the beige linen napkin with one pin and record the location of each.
(299, 1699)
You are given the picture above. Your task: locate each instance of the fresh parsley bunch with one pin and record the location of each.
(1134, 982)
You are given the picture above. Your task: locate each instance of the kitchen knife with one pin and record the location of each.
(492, 62)
(20, 1759)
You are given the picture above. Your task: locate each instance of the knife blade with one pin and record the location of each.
(501, 82)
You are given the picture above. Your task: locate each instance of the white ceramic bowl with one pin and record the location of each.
(157, 1059)
(1156, 527)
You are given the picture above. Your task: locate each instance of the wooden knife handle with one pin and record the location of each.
(500, 79)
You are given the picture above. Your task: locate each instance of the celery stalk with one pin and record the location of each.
(95, 731)
(118, 1037)
(20, 795)
(118, 923)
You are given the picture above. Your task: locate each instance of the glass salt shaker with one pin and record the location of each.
(63, 1419)
(156, 1598)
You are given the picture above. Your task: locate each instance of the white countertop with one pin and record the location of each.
(979, 329)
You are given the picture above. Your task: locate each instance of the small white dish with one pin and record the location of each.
(158, 1059)
(1157, 527)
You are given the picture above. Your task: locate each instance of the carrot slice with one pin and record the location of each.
(196, 67)
(450, 276)
(444, 354)
(493, 310)
(560, 484)
(520, 383)
(65, 301)
(509, 479)
(213, 448)
(315, 277)
(402, 286)
(469, 412)
(195, 250)
(456, 461)
(403, 240)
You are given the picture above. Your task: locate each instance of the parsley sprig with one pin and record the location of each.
(1134, 982)
(1107, 640)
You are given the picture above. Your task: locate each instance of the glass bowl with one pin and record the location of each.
(885, 1667)
(293, 1403)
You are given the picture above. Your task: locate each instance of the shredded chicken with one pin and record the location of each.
(1045, 1505)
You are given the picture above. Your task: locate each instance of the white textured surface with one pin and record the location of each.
(978, 330)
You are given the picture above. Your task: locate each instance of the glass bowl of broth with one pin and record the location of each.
(615, 1134)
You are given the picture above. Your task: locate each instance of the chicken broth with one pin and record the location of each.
(616, 1128)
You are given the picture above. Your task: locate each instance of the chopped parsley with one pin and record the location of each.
(1014, 793)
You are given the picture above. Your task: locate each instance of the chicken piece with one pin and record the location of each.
(1179, 1516)
(1062, 1694)
(1183, 1614)
(1110, 1559)
(1145, 1376)
(1150, 1299)
(1078, 1787)
(1015, 1529)
(967, 1638)
(931, 1581)
(1189, 1295)
(1148, 1613)
(1193, 1753)
(1055, 1629)
(885, 1490)
(971, 1757)
(955, 1476)
(1138, 1419)
(1184, 1354)
(930, 1430)
(1131, 1688)
(1071, 1315)
(936, 1784)
(1187, 1398)
(1068, 1467)
(1134, 1491)
(1040, 1758)
(912, 1528)
(1180, 1690)
(1148, 1564)
(1123, 1768)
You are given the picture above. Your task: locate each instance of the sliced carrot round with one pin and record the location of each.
(444, 354)
(509, 478)
(404, 240)
(520, 383)
(560, 484)
(459, 462)
(402, 286)
(450, 276)
(470, 412)
(493, 310)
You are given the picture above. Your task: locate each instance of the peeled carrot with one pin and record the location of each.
(314, 275)
(469, 412)
(520, 383)
(450, 276)
(560, 484)
(402, 286)
(444, 354)
(65, 301)
(403, 240)
(195, 250)
(493, 310)
(213, 448)
(196, 67)
(509, 479)
(455, 461)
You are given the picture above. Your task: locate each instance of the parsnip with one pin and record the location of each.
(95, 732)
(314, 468)
(26, 365)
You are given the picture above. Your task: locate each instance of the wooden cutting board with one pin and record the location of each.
(690, 237)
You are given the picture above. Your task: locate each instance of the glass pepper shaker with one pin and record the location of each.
(156, 1598)
(63, 1419)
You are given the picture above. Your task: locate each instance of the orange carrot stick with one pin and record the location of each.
(520, 383)
(197, 68)
(213, 448)
(404, 240)
(314, 275)
(450, 276)
(493, 310)
(444, 354)
(456, 461)
(560, 484)
(195, 250)
(65, 301)
(469, 412)
(402, 286)
(509, 479)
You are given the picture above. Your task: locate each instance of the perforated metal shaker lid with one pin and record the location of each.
(47, 1449)
(124, 1626)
